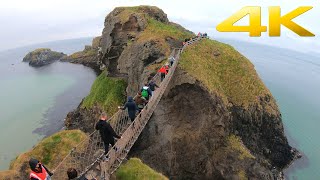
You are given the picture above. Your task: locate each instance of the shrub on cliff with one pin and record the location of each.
(108, 93)
(50, 151)
(135, 169)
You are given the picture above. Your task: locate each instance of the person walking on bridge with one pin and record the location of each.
(140, 101)
(146, 92)
(107, 133)
(38, 171)
(171, 60)
(163, 72)
(132, 108)
(166, 66)
(152, 85)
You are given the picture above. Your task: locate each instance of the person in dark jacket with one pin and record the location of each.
(152, 85)
(140, 101)
(106, 132)
(38, 171)
(132, 108)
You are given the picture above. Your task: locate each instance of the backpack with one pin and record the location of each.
(145, 93)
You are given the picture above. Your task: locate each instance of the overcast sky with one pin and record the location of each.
(25, 22)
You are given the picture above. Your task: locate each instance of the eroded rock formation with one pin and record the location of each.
(42, 56)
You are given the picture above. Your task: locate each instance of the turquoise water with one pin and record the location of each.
(34, 101)
(293, 79)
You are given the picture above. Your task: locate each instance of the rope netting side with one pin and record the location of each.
(87, 151)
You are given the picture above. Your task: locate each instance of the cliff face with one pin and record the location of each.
(43, 56)
(189, 136)
(134, 43)
(217, 120)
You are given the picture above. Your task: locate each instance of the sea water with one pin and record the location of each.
(35, 101)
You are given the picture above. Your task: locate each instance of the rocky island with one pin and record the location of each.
(42, 56)
(216, 120)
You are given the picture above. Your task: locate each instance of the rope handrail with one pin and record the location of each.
(86, 156)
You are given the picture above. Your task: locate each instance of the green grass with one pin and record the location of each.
(108, 93)
(159, 31)
(229, 74)
(82, 54)
(50, 151)
(39, 50)
(235, 143)
(134, 169)
(125, 12)
(156, 31)
(242, 175)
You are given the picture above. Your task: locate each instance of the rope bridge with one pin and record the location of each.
(87, 156)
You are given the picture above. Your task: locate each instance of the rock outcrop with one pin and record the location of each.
(217, 120)
(208, 127)
(42, 56)
(88, 57)
(134, 42)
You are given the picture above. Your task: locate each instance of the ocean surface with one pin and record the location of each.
(35, 101)
(294, 80)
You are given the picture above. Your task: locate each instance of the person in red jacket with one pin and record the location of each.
(167, 67)
(38, 171)
(162, 72)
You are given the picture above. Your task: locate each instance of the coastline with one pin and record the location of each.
(298, 162)
(52, 119)
(55, 116)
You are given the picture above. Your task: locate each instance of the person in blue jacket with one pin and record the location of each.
(132, 108)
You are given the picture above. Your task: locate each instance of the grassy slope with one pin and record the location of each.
(230, 74)
(235, 143)
(50, 151)
(158, 31)
(106, 92)
(83, 54)
(134, 169)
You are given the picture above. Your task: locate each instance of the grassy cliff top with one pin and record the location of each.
(126, 12)
(50, 151)
(225, 71)
(135, 169)
(40, 50)
(83, 54)
(106, 92)
(160, 32)
(158, 28)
